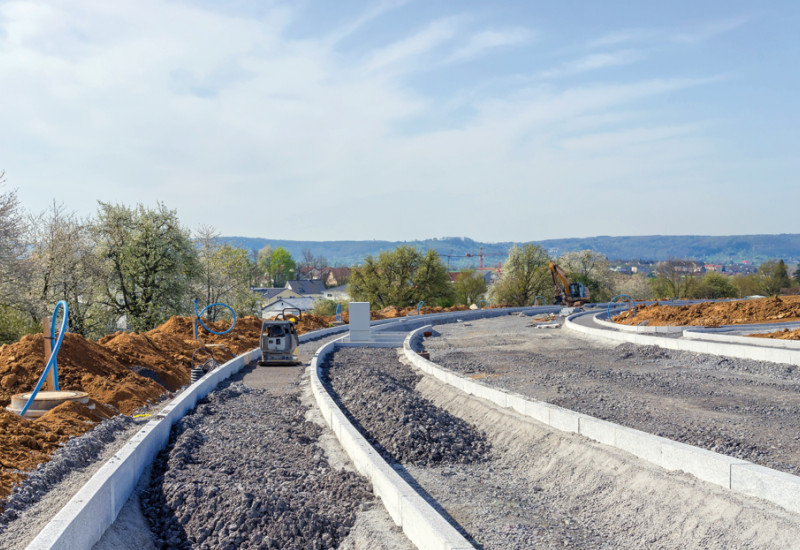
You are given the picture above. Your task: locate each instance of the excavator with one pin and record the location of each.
(568, 294)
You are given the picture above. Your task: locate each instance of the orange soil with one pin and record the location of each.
(784, 334)
(741, 312)
(104, 370)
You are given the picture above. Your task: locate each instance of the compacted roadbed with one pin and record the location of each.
(509, 482)
(741, 408)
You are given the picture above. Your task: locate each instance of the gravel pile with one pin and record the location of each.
(243, 471)
(378, 393)
(742, 408)
(73, 455)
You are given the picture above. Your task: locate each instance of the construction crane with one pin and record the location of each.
(480, 255)
(569, 294)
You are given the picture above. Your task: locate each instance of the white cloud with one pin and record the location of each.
(237, 123)
(709, 30)
(593, 62)
(373, 12)
(689, 34)
(484, 41)
(620, 37)
(412, 47)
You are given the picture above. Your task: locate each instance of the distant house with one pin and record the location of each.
(307, 288)
(338, 293)
(268, 294)
(277, 306)
(337, 276)
(686, 266)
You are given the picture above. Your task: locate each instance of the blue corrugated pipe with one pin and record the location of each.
(52, 363)
(198, 318)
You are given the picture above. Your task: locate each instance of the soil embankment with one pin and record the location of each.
(712, 314)
(122, 373)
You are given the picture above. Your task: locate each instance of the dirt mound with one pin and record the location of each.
(712, 314)
(122, 372)
(392, 312)
(309, 322)
(784, 334)
(25, 443)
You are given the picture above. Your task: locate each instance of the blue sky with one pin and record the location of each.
(399, 120)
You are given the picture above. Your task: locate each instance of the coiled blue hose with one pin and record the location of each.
(339, 318)
(544, 302)
(481, 301)
(198, 318)
(419, 305)
(52, 363)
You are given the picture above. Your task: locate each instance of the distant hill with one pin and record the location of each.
(455, 250)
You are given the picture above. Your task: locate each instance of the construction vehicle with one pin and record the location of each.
(568, 294)
(279, 340)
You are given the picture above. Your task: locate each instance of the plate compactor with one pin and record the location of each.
(279, 341)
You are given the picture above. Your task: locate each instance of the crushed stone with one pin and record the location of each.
(377, 391)
(243, 471)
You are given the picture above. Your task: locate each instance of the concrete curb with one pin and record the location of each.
(731, 473)
(87, 515)
(84, 519)
(750, 350)
(602, 320)
(715, 336)
(423, 526)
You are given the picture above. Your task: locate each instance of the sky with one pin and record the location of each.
(399, 120)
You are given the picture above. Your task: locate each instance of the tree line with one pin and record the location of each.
(405, 276)
(141, 264)
(135, 263)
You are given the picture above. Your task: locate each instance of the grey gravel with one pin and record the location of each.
(76, 453)
(243, 471)
(377, 391)
(742, 408)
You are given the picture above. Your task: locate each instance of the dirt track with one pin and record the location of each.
(746, 409)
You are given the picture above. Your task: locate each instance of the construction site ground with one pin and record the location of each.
(746, 409)
(282, 397)
(742, 408)
(778, 309)
(124, 372)
(505, 481)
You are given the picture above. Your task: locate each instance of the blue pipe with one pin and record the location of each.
(479, 303)
(198, 318)
(339, 318)
(419, 305)
(630, 300)
(52, 363)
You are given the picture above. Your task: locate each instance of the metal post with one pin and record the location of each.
(50, 381)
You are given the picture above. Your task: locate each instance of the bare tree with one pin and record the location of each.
(224, 274)
(12, 244)
(61, 264)
(309, 265)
